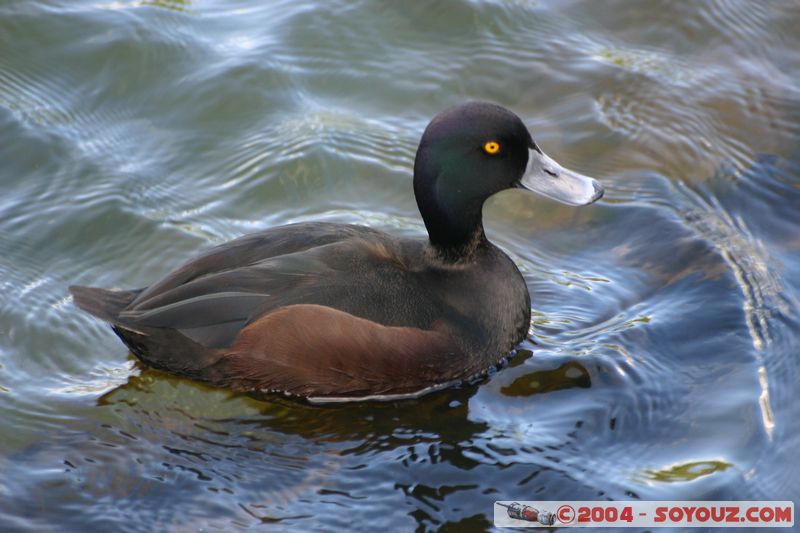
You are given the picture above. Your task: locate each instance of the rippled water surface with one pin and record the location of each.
(663, 356)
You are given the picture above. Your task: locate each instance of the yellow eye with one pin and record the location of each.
(491, 147)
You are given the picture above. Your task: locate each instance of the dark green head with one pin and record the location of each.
(472, 151)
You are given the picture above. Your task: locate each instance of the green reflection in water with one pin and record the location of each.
(175, 5)
(687, 471)
(567, 376)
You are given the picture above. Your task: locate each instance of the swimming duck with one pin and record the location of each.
(332, 311)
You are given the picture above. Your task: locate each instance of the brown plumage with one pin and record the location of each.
(313, 350)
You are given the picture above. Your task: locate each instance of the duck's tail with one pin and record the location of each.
(102, 303)
(162, 348)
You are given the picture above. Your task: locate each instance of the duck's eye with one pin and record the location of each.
(491, 147)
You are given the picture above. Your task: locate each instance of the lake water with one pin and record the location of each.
(665, 347)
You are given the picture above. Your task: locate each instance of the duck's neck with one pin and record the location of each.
(454, 222)
(461, 251)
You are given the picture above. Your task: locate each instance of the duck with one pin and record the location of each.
(337, 312)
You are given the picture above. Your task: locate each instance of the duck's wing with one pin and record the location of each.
(211, 299)
(211, 309)
(249, 250)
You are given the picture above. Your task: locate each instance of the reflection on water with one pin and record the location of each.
(688, 471)
(570, 374)
(662, 358)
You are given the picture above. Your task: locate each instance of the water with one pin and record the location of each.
(663, 358)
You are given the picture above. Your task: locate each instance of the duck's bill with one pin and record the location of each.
(546, 177)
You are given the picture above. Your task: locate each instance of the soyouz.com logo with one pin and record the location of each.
(519, 513)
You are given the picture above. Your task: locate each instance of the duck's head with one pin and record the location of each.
(472, 151)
